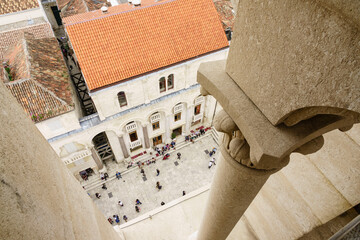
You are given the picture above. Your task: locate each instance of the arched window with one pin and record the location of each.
(122, 99)
(170, 81)
(162, 84)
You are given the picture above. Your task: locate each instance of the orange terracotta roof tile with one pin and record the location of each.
(113, 48)
(10, 6)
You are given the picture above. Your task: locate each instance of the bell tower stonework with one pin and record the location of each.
(292, 75)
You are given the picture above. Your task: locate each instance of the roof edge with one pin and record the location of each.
(155, 70)
(114, 14)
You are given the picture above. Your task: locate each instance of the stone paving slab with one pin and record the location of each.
(190, 174)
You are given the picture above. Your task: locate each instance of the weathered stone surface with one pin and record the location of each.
(319, 194)
(339, 161)
(39, 198)
(269, 144)
(290, 55)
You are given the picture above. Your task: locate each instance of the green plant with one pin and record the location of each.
(173, 135)
(7, 69)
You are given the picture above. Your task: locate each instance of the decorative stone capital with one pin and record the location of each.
(250, 138)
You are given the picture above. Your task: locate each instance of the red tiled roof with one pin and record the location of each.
(16, 56)
(9, 6)
(9, 38)
(73, 7)
(225, 11)
(121, 45)
(41, 83)
(111, 11)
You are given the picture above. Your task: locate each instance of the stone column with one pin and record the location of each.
(274, 109)
(188, 120)
(96, 158)
(167, 129)
(146, 137)
(115, 146)
(123, 147)
(233, 189)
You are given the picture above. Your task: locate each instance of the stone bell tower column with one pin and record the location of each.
(292, 75)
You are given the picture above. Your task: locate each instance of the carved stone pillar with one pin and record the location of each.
(146, 137)
(96, 158)
(281, 90)
(233, 189)
(123, 147)
(252, 148)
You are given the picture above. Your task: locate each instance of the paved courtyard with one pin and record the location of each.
(190, 173)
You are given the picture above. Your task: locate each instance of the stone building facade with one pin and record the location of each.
(144, 95)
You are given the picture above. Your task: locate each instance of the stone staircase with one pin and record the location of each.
(180, 143)
(314, 191)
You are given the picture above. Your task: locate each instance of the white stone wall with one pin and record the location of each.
(146, 88)
(21, 16)
(115, 127)
(143, 100)
(59, 125)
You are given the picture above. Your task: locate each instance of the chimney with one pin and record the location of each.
(104, 9)
(136, 3)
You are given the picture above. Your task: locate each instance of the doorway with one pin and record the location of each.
(102, 146)
(177, 131)
(157, 140)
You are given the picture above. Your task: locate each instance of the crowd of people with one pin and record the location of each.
(194, 135)
(160, 151)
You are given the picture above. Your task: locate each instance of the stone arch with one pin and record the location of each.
(102, 145)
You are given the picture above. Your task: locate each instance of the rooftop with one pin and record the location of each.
(73, 7)
(153, 36)
(225, 11)
(12, 35)
(10, 6)
(39, 78)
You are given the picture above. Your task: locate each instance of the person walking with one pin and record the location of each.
(137, 202)
(98, 195)
(179, 155)
(120, 203)
(104, 186)
(158, 186)
(157, 172)
(118, 175)
(210, 164)
(137, 209)
(106, 176)
(116, 218)
(125, 218)
(184, 193)
(213, 161)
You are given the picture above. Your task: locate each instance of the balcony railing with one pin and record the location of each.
(131, 127)
(76, 156)
(135, 144)
(199, 100)
(197, 117)
(155, 118)
(178, 108)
